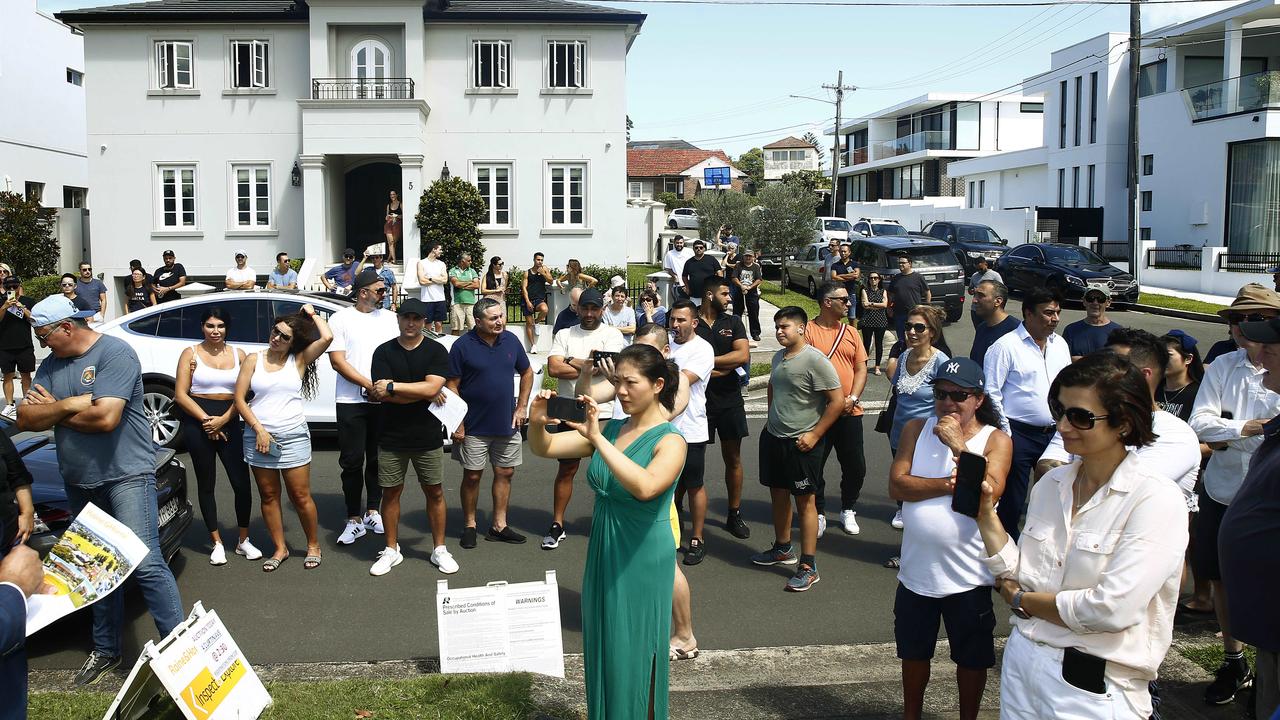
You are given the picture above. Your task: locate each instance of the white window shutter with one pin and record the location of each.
(502, 65)
(579, 59)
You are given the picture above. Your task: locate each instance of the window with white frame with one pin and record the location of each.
(75, 77)
(174, 65)
(567, 194)
(635, 190)
(566, 64)
(249, 64)
(490, 61)
(494, 183)
(176, 204)
(252, 195)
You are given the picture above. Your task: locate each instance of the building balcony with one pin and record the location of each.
(362, 89)
(1247, 93)
(853, 156)
(915, 142)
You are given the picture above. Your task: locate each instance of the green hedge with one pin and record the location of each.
(41, 287)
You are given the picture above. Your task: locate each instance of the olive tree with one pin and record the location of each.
(781, 221)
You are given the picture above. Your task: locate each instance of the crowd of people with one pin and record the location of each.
(1078, 474)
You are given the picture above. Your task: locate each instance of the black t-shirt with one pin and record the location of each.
(168, 277)
(409, 427)
(747, 274)
(1178, 402)
(137, 298)
(15, 331)
(906, 292)
(984, 336)
(698, 271)
(723, 393)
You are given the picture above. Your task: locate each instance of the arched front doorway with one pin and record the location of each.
(367, 189)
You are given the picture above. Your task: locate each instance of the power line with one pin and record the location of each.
(817, 123)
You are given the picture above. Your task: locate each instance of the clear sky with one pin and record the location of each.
(720, 76)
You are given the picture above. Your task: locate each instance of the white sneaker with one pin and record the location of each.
(822, 524)
(373, 521)
(10, 411)
(354, 529)
(897, 520)
(218, 556)
(247, 549)
(441, 558)
(849, 519)
(387, 559)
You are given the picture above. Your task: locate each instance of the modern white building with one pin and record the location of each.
(905, 152)
(788, 155)
(42, 107)
(283, 125)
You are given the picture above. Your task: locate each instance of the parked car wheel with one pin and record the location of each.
(161, 412)
(813, 289)
(672, 225)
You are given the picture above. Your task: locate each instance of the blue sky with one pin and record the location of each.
(720, 76)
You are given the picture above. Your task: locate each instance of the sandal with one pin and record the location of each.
(893, 563)
(312, 562)
(681, 654)
(271, 563)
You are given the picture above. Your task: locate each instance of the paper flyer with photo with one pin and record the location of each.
(91, 559)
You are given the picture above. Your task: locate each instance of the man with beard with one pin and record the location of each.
(168, 278)
(726, 414)
(571, 356)
(992, 322)
(699, 271)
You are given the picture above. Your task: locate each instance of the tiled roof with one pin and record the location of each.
(787, 142)
(296, 10)
(654, 163)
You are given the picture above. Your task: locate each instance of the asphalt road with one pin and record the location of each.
(340, 613)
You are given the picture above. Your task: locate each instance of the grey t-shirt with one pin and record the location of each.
(980, 277)
(91, 292)
(799, 391)
(109, 368)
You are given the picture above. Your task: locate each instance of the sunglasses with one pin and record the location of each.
(1237, 318)
(379, 291)
(44, 339)
(917, 328)
(953, 395)
(842, 298)
(67, 284)
(1079, 418)
(1097, 299)
(275, 332)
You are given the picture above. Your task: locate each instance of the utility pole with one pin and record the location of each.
(840, 88)
(1135, 65)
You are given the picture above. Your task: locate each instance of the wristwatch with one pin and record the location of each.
(1016, 605)
(391, 388)
(568, 360)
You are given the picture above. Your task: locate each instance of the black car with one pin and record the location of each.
(1069, 269)
(53, 511)
(931, 258)
(969, 240)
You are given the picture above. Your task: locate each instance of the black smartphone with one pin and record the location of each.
(598, 355)
(1226, 415)
(1084, 671)
(566, 408)
(970, 472)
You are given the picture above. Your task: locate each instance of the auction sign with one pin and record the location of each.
(501, 627)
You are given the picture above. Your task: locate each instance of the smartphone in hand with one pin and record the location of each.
(598, 355)
(970, 472)
(566, 408)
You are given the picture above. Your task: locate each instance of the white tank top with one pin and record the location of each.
(207, 380)
(277, 395)
(942, 550)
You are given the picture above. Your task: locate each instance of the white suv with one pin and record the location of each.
(876, 227)
(686, 218)
(159, 334)
(825, 228)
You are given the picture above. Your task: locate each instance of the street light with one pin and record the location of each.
(295, 176)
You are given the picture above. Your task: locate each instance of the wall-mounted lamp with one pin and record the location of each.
(444, 172)
(295, 175)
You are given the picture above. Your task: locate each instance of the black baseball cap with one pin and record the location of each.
(365, 278)
(413, 306)
(1266, 332)
(348, 253)
(962, 372)
(591, 296)
(167, 253)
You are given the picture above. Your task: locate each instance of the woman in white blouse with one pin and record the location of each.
(1093, 580)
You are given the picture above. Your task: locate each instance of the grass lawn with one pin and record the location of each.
(1209, 655)
(435, 696)
(770, 292)
(1177, 303)
(636, 274)
(761, 368)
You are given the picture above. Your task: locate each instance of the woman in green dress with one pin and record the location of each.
(626, 588)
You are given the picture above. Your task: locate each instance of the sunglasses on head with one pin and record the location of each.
(1237, 318)
(953, 395)
(1079, 418)
(917, 328)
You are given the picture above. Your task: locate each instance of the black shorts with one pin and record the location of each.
(530, 309)
(969, 619)
(784, 466)
(729, 423)
(437, 311)
(21, 360)
(1204, 553)
(695, 463)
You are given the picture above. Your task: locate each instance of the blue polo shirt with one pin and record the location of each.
(485, 381)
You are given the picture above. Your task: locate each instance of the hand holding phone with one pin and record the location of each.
(971, 470)
(598, 355)
(566, 408)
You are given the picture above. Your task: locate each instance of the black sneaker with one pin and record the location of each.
(697, 551)
(95, 667)
(468, 538)
(506, 535)
(554, 535)
(1232, 677)
(736, 527)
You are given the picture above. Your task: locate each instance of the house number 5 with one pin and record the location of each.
(410, 184)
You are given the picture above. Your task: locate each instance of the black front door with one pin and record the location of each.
(368, 189)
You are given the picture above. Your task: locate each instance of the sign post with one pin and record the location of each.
(501, 627)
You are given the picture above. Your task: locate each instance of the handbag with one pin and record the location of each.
(885, 421)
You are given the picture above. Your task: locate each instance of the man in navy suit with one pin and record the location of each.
(20, 575)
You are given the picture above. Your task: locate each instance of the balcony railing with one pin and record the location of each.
(1247, 93)
(853, 156)
(789, 165)
(1113, 250)
(1248, 262)
(1178, 257)
(915, 142)
(362, 89)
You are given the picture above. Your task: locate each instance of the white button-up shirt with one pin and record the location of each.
(1116, 569)
(1231, 384)
(1019, 373)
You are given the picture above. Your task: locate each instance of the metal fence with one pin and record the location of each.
(1248, 262)
(1181, 257)
(362, 89)
(1112, 251)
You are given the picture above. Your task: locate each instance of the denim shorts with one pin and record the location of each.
(295, 448)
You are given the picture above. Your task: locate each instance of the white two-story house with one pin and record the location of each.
(788, 155)
(284, 125)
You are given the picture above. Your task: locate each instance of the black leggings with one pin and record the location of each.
(876, 335)
(204, 460)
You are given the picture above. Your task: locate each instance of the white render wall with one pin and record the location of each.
(42, 120)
